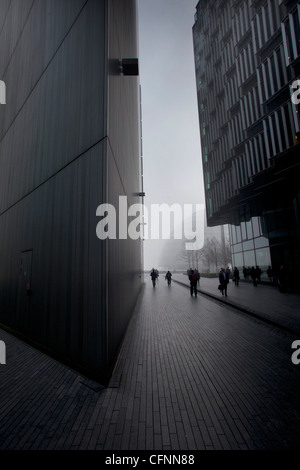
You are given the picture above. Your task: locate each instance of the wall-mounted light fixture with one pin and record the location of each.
(128, 67)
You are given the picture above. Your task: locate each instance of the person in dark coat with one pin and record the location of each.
(193, 282)
(168, 277)
(153, 275)
(223, 281)
(236, 276)
(253, 276)
(258, 273)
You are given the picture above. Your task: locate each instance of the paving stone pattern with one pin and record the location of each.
(193, 374)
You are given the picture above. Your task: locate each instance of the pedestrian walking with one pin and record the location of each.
(153, 275)
(193, 282)
(168, 277)
(258, 273)
(236, 276)
(253, 276)
(245, 273)
(223, 281)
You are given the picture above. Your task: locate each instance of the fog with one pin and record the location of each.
(171, 141)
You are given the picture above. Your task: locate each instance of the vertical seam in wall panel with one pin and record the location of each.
(16, 45)
(43, 72)
(5, 17)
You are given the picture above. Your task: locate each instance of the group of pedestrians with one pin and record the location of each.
(279, 278)
(154, 274)
(193, 275)
(224, 276)
(254, 273)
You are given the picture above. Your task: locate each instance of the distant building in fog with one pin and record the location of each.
(69, 141)
(247, 59)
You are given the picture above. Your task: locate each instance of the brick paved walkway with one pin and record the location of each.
(192, 374)
(265, 301)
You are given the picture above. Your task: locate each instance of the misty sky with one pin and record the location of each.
(171, 142)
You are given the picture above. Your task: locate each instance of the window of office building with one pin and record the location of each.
(207, 180)
(274, 133)
(289, 125)
(248, 245)
(296, 21)
(238, 234)
(265, 24)
(260, 242)
(256, 226)
(249, 258)
(263, 258)
(238, 260)
(291, 36)
(232, 234)
(280, 130)
(209, 207)
(251, 107)
(243, 231)
(272, 74)
(249, 229)
(280, 66)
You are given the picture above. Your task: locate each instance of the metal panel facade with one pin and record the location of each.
(124, 256)
(54, 172)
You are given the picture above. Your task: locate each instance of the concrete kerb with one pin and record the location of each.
(241, 308)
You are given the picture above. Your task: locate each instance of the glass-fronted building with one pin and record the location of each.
(249, 246)
(247, 60)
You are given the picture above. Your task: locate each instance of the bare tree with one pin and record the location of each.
(215, 254)
(191, 258)
(205, 255)
(212, 255)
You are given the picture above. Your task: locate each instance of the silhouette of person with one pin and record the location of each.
(223, 281)
(236, 275)
(253, 275)
(153, 275)
(193, 283)
(168, 277)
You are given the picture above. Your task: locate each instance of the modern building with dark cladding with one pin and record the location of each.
(247, 58)
(69, 142)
